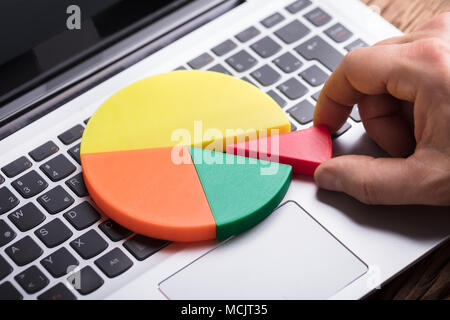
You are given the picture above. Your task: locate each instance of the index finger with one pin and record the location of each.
(365, 71)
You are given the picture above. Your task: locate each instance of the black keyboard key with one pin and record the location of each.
(266, 76)
(56, 200)
(71, 135)
(89, 244)
(7, 200)
(355, 114)
(318, 17)
(302, 112)
(224, 48)
(32, 280)
(317, 49)
(341, 131)
(57, 292)
(1, 179)
(5, 268)
(6, 233)
(201, 61)
(24, 251)
(219, 68)
(143, 247)
(293, 127)
(247, 34)
(292, 32)
(298, 6)
(114, 263)
(74, 152)
(8, 292)
(287, 62)
(30, 184)
(316, 95)
(27, 217)
(293, 89)
(114, 231)
(272, 20)
(76, 184)
(241, 61)
(339, 33)
(266, 47)
(82, 216)
(314, 76)
(16, 167)
(275, 96)
(44, 151)
(60, 263)
(58, 168)
(86, 280)
(358, 43)
(53, 233)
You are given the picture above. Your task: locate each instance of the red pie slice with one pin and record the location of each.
(304, 150)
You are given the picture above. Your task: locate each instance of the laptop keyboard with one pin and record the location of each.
(54, 242)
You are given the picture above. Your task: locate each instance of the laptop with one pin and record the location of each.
(60, 61)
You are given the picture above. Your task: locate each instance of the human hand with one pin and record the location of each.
(402, 88)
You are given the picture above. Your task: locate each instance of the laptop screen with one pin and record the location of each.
(40, 39)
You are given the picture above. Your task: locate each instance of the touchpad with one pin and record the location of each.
(287, 256)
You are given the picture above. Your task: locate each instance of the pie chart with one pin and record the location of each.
(152, 161)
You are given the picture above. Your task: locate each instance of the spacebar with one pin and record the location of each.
(317, 49)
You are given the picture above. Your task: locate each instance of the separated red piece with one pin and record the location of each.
(304, 150)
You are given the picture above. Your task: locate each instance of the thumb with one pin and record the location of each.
(370, 180)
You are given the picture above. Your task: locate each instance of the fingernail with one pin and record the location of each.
(329, 181)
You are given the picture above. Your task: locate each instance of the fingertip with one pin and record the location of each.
(330, 114)
(327, 178)
(371, 180)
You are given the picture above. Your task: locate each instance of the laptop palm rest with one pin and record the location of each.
(287, 256)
